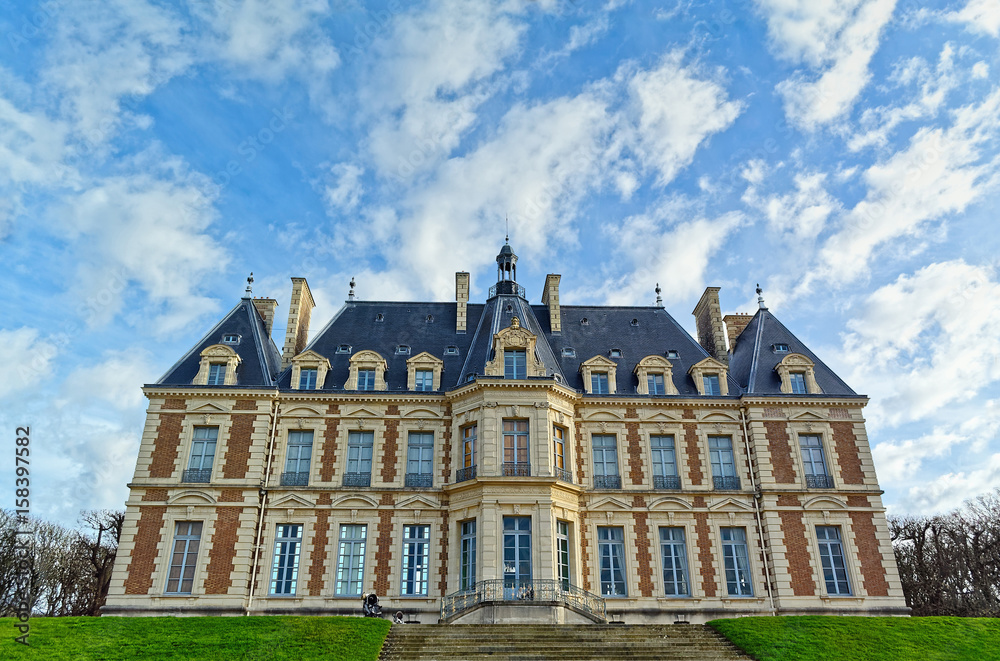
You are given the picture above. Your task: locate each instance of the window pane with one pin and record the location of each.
(366, 379)
(351, 559)
(558, 447)
(217, 374)
(187, 538)
(468, 560)
(359, 451)
(514, 364)
(469, 446)
(424, 380)
(655, 384)
(812, 454)
(674, 553)
(664, 456)
(721, 452)
(798, 381)
(203, 448)
(420, 453)
(612, 561)
(299, 451)
(307, 379)
(831, 554)
(285, 570)
(712, 384)
(599, 383)
(605, 454)
(562, 553)
(416, 558)
(515, 441)
(737, 562)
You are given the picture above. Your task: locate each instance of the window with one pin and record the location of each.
(285, 572)
(297, 460)
(379, 317)
(606, 462)
(831, 553)
(184, 557)
(359, 459)
(720, 450)
(559, 454)
(664, 463)
(468, 469)
(344, 348)
(615, 353)
(599, 383)
(451, 350)
(675, 581)
(366, 379)
(230, 338)
(780, 348)
(430, 319)
(402, 350)
(202, 455)
(655, 384)
(307, 379)
(569, 352)
(798, 382)
(562, 553)
(611, 542)
(467, 577)
(351, 559)
(737, 562)
(424, 380)
(216, 374)
(420, 459)
(673, 353)
(712, 384)
(515, 448)
(635, 322)
(416, 558)
(515, 365)
(815, 465)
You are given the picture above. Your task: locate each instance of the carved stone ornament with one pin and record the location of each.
(604, 426)
(662, 426)
(490, 405)
(190, 510)
(609, 514)
(517, 508)
(732, 518)
(301, 422)
(826, 516)
(205, 419)
(421, 424)
(513, 410)
(461, 417)
(416, 515)
(559, 417)
(542, 405)
(670, 517)
(354, 515)
(718, 427)
(515, 322)
(289, 513)
(809, 426)
(361, 423)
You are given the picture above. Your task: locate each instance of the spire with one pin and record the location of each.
(760, 297)
(507, 273)
(249, 291)
(659, 299)
(350, 294)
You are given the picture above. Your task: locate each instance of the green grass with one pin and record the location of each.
(818, 638)
(244, 638)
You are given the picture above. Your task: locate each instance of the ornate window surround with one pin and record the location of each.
(599, 363)
(217, 353)
(655, 365)
(710, 366)
(514, 336)
(310, 360)
(425, 361)
(796, 362)
(367, 360)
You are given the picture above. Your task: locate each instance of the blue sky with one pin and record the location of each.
(843, 153)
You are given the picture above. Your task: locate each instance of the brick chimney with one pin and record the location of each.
(550, 297)
(462, 299)
(299, 313)
(266, 307)
(735, 323)
(711, 331)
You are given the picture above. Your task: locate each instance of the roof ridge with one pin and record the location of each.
(197, 344)
(256, 319)
(756, 349)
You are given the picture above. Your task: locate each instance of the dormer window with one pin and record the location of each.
(423, 372)
(780, 348)
(599, 383)
(599, 375)
(430, 319)
(230, 338)
(615, 353)
(798, 382)
(379, 317)
(635, 322)
(344, 348)
(585, 322)
(569, 352)
(798, 375)
(307, 379)
(402, 350)
(655, 376)
(515, 364)
(216, 374)
(711, 386)
(367, 372)
(451, 350)
(673, 354)
(309, 370)
(709, 376)
(217, 366)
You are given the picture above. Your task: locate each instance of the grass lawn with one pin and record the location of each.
(864, 638)
(245, 638)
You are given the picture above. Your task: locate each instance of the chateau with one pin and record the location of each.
(504, 461)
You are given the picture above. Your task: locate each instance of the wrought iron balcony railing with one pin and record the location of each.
(197, 475)
(546, 591)
(294, 479)
(607, 481)
(516, 469)
(357, 479)
(819, 481)
(463, 474)
(420, 480)
(726, 482)
(507, 287)
(666, 482)
(564, 475)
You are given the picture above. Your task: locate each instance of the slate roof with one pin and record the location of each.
(260, 358)
(753, 362)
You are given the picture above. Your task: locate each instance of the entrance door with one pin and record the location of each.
(517, 557)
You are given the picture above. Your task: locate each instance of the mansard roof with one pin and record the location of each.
(260, 360)
(752, 363)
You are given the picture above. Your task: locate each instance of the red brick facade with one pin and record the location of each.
(443, 555)
(328, 461)
(219, 572)
(643, 557)
(695, 475)
(847, 453)
(797, 552)
(704, 534)
(321, 537)
(781, 451)
(635, 468)
(383, 548)
(872, 569)
(236, 463)
(142, 562)
(168, 440)
(391, 447)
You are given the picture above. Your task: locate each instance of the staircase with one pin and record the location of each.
(545, 642)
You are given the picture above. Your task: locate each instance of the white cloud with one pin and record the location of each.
(801, 214)
(942, 493)
(116, 381)
(835, 40)
(345, 190)
(25, 360)
(980, 16)
(942, 171)
(925, 341)
(675, 109)
(898, 462)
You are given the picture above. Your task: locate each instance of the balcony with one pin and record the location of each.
(726, 482)
(819, 481)
(463, 474)
(357, 479)
(419, 480)
(607, 481)
(202, 475)
(667, 482)
(294, 479)
(506, 287)
(564, 475)
(516, 469)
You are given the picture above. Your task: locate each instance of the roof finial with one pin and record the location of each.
(249, 286)
(760, 297)
(350, 294)
(659, 299)
(506, 224)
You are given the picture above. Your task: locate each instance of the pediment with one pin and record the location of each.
(610, 503)
(208, 407)
(422, 413)
(360, 412)
(598, 361)
(310, 356)
(731, 505)
(825, 503)
(669, 503)
(355, 501)
(291, 500)
(191, 497)
(604, 415)
(424, 358)
(807, 416)
(663, 416)
(367, 356)
(720, 416)
(653, 361)
(796, 359)
(302, 412)
(413, 501)
(708, 363)
(515, 336)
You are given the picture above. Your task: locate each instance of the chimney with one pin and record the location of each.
(735, 323)
(711, 332)
(299, 312)
(266, 307)
(550, 297)
(462, 298)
